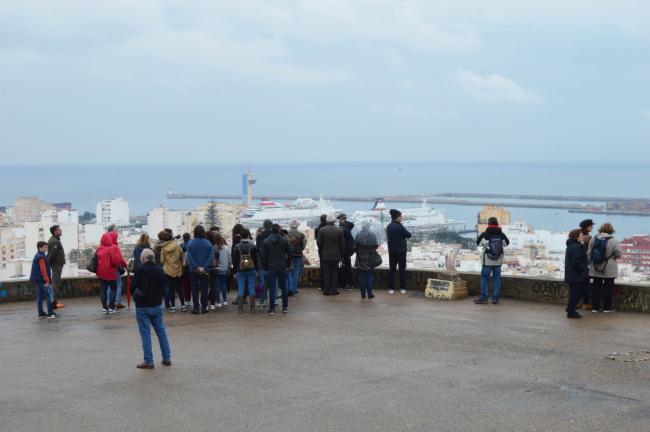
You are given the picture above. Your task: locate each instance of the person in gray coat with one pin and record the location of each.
(603, 252)
(331, 244)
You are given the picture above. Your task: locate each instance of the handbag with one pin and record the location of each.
(93, 264)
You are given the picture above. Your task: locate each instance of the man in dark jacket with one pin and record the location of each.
(397, 235)
(200, 256)
(345, 275)
(576, 270)
(56, 258)
(492, 241)
(586, 226)
(259, 243)
(323, 223)
(148, 289)
(298, 243)
(331, 246)
(276, 259)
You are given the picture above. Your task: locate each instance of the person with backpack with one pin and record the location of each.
(56, 258)
(298, 243)
(346, 279)
(603, 252)
(245, 262)
(200, 256)
(223, 258)
(172, 260)
(41, 276)
(331, 246)
(397, 249)
(148, 290)
(109, 260)
(276, 259)
(492, 241)
(576, 271)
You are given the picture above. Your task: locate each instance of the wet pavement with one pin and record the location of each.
(396, 363)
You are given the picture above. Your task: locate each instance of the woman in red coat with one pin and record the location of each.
(109, 259)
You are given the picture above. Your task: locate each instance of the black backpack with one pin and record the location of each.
(494, 249)
(599, 254)
(93, 264)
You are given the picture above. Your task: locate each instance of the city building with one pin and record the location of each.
(29, 209)
(113, 211)
(636, 252)
(502, 215)
(37, 231)
(8, 251)
(160, 218)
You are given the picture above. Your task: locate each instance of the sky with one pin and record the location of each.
(253, 81)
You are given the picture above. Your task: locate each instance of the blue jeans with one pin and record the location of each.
(200, 286)
(245, 281)
(273, 281)
(118, 288)
(107, 293)
(366, 281)
(222, 287)
(43, 291)
(495, 271)
(293, 275)
(146, 318)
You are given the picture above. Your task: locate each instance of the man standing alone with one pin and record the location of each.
(331, 245)
(397, 249)
(56, 258)
(493, 241)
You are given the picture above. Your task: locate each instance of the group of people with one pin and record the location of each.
(590, 267)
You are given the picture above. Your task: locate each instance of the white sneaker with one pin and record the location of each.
(183, 308)
(112, 311)
(105, 311)
(212, 307)
(225, 303)
(402, 291)
(218, 305)
(172, 309)
(391, 292)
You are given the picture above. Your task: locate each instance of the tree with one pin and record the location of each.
(211, 216)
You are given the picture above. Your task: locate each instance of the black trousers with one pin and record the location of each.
(576, 291)
(174, 287)
(200, 285)
(345, 272)
(602, 288)
(329, 270)
(395, 259)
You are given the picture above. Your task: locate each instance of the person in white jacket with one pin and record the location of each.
(603, 252)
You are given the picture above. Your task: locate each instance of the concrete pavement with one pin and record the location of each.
(396, 363)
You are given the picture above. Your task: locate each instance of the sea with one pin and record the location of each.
(145, 186)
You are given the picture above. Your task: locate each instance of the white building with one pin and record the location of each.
(113, 211)
(90, 235)
(160, 218)
(36, 231)
(521, 235)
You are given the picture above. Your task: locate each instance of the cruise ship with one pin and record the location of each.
(421, 219)
(305, 210)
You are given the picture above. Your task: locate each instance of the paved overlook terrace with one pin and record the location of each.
(396, 363)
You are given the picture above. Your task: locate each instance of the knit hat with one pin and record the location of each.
(394, 214)
(294, 224)
(586, 223)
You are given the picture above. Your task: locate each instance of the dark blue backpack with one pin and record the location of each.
(494, 248)
(599, 251)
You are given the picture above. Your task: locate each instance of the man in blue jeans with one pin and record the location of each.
(492, 241)
(276, 259)
(200, 257)
(297, 243)
(148, 289)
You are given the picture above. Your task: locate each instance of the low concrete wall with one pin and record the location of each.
(628, 297)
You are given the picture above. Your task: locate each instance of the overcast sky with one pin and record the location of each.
(304, 80)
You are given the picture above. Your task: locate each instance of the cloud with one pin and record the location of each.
(495, 88)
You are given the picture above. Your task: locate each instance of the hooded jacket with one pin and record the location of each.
(109, 257)
(484, 240)
(331, 243)
(575, 262)
(613, 252)
(347, 227)
(171, 258)
(277, 253)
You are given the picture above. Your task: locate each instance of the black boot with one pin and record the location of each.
(252, 298)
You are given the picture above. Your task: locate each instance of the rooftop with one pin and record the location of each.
(393, 364)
